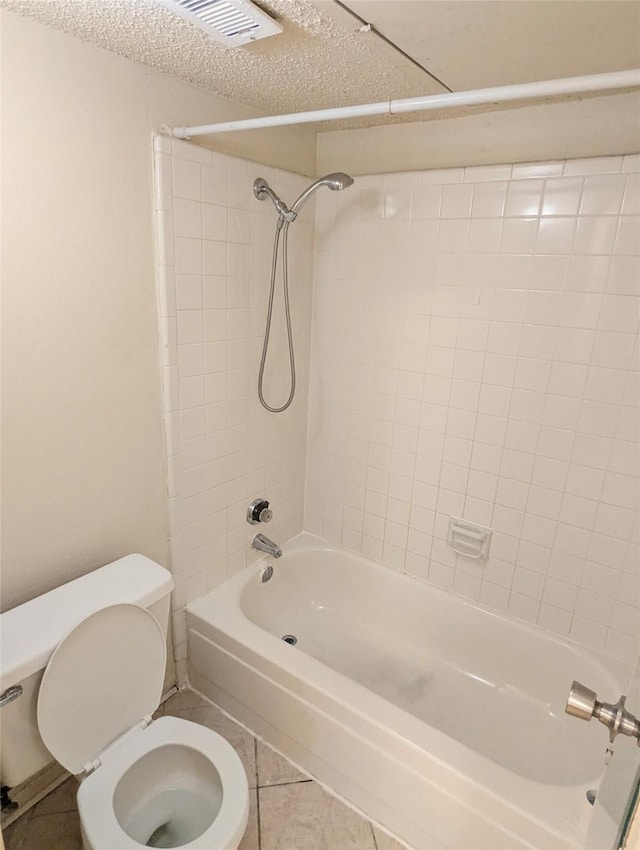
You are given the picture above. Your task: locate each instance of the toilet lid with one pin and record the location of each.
(101, 680)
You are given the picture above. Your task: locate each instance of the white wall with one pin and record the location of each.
(475, 354)
(224, 448)
(83, 455)
(582, 127)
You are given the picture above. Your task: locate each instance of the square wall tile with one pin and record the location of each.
(531, 314)
(474, 355)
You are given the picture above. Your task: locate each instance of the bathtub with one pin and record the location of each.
(442, 721)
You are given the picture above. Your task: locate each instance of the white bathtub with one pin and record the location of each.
(440, 720)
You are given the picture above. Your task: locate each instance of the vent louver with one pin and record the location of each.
(231, 22)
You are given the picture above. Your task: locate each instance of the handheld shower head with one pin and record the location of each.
(336, 181)
(261, 189)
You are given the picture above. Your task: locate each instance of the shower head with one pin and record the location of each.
(336, 181)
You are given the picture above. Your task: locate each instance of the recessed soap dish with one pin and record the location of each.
(469, 538)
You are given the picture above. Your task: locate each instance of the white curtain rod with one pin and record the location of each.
(523, 91)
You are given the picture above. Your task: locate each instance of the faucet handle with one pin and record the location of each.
(259, 511)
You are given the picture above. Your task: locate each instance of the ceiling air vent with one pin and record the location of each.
(231, 22)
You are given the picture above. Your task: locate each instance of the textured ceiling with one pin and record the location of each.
(322, 59)
(316, 62)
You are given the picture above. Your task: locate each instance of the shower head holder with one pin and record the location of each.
(262, 191)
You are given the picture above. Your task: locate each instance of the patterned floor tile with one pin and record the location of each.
(61, 799)
(302, 816)
(37, 832)
(274, 769)
(250, 840)
(15, 836)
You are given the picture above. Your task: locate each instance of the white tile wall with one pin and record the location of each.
(224, 449)
(475, 353)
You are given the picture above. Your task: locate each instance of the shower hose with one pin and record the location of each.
(282, 228)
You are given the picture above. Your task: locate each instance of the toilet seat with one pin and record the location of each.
(95, 795)
(102, 680)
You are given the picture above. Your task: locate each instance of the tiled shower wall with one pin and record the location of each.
(475, 354)
(214, 261)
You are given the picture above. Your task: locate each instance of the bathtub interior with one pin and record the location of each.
(494, 686)
(328, 706)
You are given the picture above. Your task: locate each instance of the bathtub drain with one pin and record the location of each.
(292, 639)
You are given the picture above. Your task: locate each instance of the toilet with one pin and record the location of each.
(143, 783)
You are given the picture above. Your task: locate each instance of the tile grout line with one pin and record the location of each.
(373, 833)
(290, 782)
(47, 814)
(255, 753)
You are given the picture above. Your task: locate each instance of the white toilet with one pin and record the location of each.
(144, 783)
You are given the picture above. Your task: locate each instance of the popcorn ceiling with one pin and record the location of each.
(314, 63)
(319, 61)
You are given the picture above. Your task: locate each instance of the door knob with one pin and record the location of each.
(583, 703)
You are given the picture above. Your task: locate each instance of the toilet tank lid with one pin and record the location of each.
(30, 632)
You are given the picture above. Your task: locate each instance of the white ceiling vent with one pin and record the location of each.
(231, 22)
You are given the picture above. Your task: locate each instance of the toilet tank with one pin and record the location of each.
(30, 633)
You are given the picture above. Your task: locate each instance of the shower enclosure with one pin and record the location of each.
(472, 351)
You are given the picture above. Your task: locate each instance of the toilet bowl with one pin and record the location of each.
(177, 784)
(144, 783)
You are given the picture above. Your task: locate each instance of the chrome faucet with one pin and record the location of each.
(263, 544)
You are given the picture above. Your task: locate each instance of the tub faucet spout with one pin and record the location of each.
(263, 544)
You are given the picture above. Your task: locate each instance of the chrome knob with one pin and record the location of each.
(583, 703)
(259, 511)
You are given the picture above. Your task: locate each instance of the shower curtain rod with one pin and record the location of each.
(522, 91)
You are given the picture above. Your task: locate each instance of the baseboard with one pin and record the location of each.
(33, 789)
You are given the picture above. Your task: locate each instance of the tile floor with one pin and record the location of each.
(289, 811)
